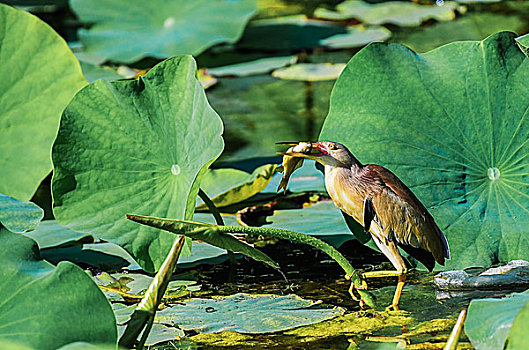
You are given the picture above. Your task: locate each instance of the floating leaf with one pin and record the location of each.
(102, 256)
(39, 76)
(50, 234)
(322, 220)
(474, 26)
(134, 146)
(17, 216)
(159, 332)
(295, 33)
(523, 42)
(475, 1)
(246, 313)
(299, 32)
(499, 315)
(460, 142)
(227, 186)
(126, 31)
(310, 71)
(93, 72)
(356, 36)
(45, 307)
(395, 12)
(259, 66)
(87, 346)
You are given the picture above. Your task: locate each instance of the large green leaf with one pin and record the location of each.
(43, 306)
(517, 338)
(135, 146)
(227, 186)
(246, 313)
(126, 31)
(452, 125)
(39, 76)
(489, 320)
(19, 216)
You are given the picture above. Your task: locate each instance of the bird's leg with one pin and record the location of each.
(395, 304)
(352, 288)
(401, 274)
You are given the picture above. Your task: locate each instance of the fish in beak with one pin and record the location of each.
(292, 160)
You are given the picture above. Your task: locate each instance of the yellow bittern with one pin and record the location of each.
(377, 199)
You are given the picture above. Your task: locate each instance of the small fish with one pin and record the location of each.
(290, 164)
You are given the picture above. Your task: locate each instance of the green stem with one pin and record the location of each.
(312, 241)
(145, 334)
(211, 206)
(218, 218)
(148, 305)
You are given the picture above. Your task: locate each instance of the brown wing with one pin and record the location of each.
(403, 217)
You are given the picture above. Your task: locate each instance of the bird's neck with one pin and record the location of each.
(353, 169)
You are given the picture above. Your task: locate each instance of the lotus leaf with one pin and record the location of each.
(40, 301)
(394, 12)
(126, 31)
(500, 315)
(322, 220)
(246, 313)
(517, 338)
(299, 32)
(259, 66)
(356, 36)
(452, 125)
(93, 72)
(39, 76)
(135, 146)
(473, 26)
(102, 256)
(17, 216)
(50, 234)
(227, 186)
(310, 71)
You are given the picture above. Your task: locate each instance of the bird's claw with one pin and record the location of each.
(352, 289)
(392, 307)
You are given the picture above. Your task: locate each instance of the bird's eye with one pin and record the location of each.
(332, 146)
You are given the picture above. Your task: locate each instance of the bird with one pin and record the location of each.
(386, 208)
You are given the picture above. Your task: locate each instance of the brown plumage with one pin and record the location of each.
(385, 206)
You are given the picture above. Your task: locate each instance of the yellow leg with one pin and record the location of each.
(401, 274)
(398, 292)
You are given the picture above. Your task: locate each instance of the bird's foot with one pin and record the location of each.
(392, 307)
(353, 289)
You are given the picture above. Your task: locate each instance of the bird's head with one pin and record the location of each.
(327, 153)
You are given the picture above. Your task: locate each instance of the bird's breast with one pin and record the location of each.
(348, 197)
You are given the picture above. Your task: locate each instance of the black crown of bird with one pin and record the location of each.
(378, 200)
